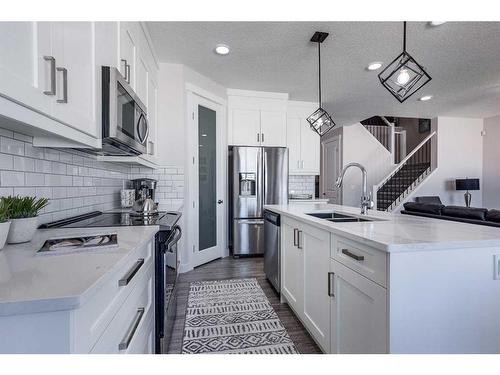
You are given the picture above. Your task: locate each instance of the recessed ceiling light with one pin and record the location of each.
(221, 49)
(425, 98)
(374, 65)
(436, 23)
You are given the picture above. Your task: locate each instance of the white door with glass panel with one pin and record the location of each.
(207, 177)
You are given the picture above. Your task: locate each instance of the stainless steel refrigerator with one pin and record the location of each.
(257, 176)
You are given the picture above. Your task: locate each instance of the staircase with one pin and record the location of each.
(407, 175)
(384, 129)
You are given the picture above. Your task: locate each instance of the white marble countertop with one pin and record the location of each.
(395, 232)
(36, 283)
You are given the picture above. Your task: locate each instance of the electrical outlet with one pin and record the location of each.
(496, 267)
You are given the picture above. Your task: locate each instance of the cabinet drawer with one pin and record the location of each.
(94, 316)
(363, 259)
(131, 325)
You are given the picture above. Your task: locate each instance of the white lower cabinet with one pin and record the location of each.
(358, 312)
(305, 254)
(292, 267)
(343, 310)
(117, 318)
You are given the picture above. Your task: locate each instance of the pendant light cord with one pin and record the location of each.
(319, 71)
(404, 36)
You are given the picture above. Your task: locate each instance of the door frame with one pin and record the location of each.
(194, 96)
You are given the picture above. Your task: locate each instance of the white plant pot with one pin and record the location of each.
(4, 231)
(22, 230)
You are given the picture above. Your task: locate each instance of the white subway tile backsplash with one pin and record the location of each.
(22, 163)
(6, 161)
(75, 182)
(51, 154)
(301, 184)
(35, 179)
(11, 146)
(11, 178)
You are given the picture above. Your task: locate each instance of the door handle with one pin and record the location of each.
(331, 286)
(295, 230)
(52, 90)
(359, 258)
(262, 137)
(220, 201)
(258, 137)
(64, 72)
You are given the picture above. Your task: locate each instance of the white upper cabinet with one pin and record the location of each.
(245, 126)
(127, 53)
(51, 77)
(26, 63)
(74, 50)
(302, 142)
(152, 104)
(142, 80)
(273, 128)
(257, 118)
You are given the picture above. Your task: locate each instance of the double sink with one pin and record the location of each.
(339, 218)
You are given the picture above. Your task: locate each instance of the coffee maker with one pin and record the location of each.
(145, 196)
(146, 185)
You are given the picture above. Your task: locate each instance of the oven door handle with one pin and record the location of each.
(177, 236)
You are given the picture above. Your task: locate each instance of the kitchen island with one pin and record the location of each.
(79, 302)
(391, 283)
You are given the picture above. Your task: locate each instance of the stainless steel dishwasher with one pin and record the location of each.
(272, 248)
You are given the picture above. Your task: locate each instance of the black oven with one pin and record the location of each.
(125, 127)
(167, 267)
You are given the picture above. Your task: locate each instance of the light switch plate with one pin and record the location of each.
(496, 267)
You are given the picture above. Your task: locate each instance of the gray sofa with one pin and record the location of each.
(432, 207)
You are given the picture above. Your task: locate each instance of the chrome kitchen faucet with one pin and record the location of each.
(366, 198)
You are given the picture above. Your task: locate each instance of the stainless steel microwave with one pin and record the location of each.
(125, 127)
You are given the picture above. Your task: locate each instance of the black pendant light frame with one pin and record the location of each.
(320, 121)
(418, 76)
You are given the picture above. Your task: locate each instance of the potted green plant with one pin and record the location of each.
(4, 222)
(23, 213)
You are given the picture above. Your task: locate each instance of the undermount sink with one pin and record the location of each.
(338, 218)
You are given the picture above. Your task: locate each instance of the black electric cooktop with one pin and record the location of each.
(166, 220)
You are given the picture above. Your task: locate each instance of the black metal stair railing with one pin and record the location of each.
(405, 177)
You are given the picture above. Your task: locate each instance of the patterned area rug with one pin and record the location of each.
(233, 316)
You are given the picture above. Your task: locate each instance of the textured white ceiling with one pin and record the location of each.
(463, 59)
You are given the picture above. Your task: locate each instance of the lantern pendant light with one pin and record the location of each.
(320, 121)
(403, 77)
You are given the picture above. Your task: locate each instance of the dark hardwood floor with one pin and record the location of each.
(228, 268)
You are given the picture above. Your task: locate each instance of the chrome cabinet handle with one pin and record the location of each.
(302, 164)
(125, 280)
(298, 164)
(298, 239)
(127, 73)
(295, 231)
(151, 146)
(352, 255)
(52, 90)
(258, 137)
(331, 286)
(262, 137)
(65, 85)
(125, 67)
(131, 330)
